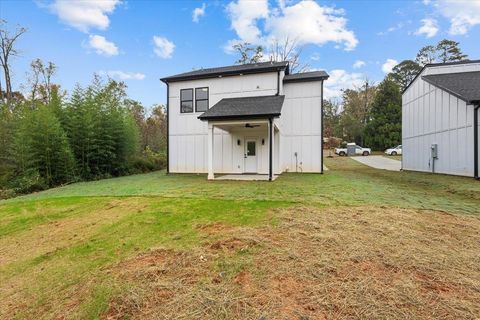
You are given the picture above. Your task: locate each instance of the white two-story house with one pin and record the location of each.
(252, 118)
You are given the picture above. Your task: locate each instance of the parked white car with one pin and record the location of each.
(394, 151)
(358, 150)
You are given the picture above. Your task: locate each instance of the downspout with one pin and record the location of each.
(321, 130)
(475, 141)
(278, 82)
(270, 146)
(168, 130)
(433, 161)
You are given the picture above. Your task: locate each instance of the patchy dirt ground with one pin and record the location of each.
(337, 263)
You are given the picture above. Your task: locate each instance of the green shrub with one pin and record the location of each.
(7, 193)
(30, 181)
(148, 161)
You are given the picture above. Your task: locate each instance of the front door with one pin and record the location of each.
(250, 156)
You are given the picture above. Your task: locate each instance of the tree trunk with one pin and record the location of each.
(8, 85)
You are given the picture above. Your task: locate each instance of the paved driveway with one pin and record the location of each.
(379, 162)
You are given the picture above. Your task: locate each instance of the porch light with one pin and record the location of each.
(263, 142)
(238, 142)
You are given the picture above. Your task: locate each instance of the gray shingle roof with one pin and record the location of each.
(228, 70)
(306, 76)
(463, 85)
(245, 108)
(436, 65)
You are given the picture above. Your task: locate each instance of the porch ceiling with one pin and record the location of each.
(244, 126)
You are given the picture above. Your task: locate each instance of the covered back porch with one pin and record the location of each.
(243, 131)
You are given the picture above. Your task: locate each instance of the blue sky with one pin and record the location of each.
(142, 41)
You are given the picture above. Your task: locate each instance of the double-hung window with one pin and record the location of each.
(186, 100)
(201, 99)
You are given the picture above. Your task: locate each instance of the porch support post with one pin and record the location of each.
(270, 147)
(210, 143)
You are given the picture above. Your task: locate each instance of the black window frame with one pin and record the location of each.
(181, 101)
(208, 97)
(254, 148)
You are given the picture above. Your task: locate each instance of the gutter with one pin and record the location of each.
(321, 130)
(222, 74)
(278, 82)
(241, 117)
(307, 79)
(475, 140)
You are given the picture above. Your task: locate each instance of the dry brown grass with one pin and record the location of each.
(43, 241)
(342, 263)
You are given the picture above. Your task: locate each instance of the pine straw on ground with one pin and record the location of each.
(342, 263)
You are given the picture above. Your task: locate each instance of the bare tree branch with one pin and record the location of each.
(288, 50)
(7, 50)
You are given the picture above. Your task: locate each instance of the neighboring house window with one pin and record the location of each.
(186, 100)
(201, 99)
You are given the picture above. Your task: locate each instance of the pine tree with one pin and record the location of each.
(426, 55)
(385, 127)
(449, 50)
(445, 51)
(405, 72)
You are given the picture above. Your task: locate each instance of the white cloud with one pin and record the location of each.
(306, 22)
(84, 14)
(244, 15)
(315, 56)
(163, 47)
(429, 28)
(398, 26)
(102, 46)
(121, 75)
(198, 12)
(462, 14)
(389, 65)
(358, 64)
(340, 80)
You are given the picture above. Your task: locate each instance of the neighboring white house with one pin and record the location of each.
(252, 118)
(440, 119)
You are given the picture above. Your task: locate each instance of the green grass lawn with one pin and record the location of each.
(58, 247)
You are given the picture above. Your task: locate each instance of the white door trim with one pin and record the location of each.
(250, 164)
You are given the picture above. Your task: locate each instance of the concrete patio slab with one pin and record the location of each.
(245, 177)
(380, 162)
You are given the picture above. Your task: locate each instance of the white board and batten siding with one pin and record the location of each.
(188, 135)
(299, 127)
(431, 115)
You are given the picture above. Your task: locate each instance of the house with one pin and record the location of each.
(440, 119)
(252, 118)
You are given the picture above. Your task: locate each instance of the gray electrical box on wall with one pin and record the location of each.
(434, 149)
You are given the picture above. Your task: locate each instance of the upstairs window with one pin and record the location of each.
(201, 99)
(186, 100)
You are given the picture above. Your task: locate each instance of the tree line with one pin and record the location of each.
(369, 114)
(50, 138)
